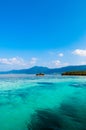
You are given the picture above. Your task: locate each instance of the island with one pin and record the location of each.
(40, 74)
(75, 73)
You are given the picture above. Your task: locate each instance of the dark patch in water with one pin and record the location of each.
(68, 109)
(4, 103)
(78, 85)
(66, 117)
(11, 95)
(46, 87)
(45, 120)
(46, 83)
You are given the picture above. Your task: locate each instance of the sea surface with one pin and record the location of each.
(51, 102)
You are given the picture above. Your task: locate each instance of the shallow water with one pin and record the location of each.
(28, 102)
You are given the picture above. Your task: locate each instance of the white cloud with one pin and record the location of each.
(12, 61)
(61, 54)
(83, 63)
(58, 63)
(16, 63)
(79, 52)
(33, 61)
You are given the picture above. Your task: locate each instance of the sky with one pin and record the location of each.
(49, 33)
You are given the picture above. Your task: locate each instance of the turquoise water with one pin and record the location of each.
(51, 102)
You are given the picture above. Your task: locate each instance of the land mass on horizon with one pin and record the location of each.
(46, 70)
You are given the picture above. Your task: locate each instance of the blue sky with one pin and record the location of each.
(42, 32)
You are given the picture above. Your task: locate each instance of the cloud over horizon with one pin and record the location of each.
(58, 63)
(16, 63)
(12, 61)
(79, 52)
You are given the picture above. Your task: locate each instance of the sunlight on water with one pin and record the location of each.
(58, 101)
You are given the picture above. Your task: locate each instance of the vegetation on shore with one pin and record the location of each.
(77, 73)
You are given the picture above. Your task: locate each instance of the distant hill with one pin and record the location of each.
(46, 70)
